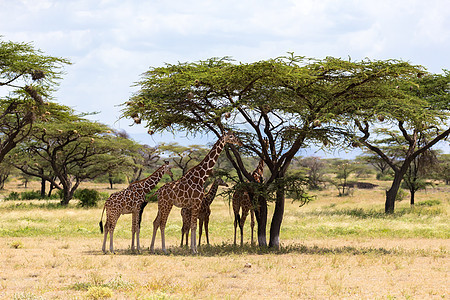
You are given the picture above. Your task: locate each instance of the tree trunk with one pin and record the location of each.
(277, 218)
(413, 193)
(43, 188)
(67, 195)
(110, 181)
(261, 219)
(391, 194)
(3, 180)
(50, 189)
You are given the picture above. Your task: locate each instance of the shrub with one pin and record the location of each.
(401, 194)
(384, 177)
(429, 203)
(87, 197)
(16, 245)
(13, 196)
(30, 195)
(99, 292)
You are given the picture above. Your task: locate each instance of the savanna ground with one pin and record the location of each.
(332, 248)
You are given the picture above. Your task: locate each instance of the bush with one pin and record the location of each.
(384, 177)
(99, 292)
(87, 197)
(30, 195)
(401, 194)
(429, 203)
(13, 196)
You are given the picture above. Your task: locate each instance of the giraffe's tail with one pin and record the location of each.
(101, 223)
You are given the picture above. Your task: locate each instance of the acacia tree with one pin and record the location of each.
(184, 157)
(66, 153)
(143, 156)
(342, 168)
(27, 78)
(377, 162)
(422, 115)
(442, 170)
(414, 178)
(291, 101)
(315, 171)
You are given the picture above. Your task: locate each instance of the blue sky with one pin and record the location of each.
(112, 42)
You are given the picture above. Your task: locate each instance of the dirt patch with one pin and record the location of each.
(73, 267)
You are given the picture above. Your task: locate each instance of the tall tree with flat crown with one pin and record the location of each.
(292, 101)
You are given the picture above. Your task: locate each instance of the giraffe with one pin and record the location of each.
(188, 191)
(203, 214)
(130, 200)
(241, 200)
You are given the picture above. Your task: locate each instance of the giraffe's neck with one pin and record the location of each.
(147, 184)
(201, 172)
(212, 192)
(259, 171)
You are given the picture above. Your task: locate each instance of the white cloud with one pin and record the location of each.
(111, 42)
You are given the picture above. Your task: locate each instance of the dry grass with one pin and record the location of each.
(332, 248)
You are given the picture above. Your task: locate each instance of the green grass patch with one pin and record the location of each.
(429, 203)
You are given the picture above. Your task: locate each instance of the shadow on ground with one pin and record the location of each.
(230, 249)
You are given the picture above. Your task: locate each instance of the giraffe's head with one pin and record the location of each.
(231, 138)
(167, 169)
(221, 182)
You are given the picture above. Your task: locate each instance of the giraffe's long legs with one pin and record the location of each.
(156, 224)
(160, 222)
(200, 226)
(109, 228)
(206, 230)
(186, 217)
(111, 234)
(133, 229)
(236, 221)
(105, 236)
(241, 224)
(162, 227)
(138, 246)
(252, 223)
(194, 215)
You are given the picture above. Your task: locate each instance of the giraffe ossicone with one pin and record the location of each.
(130, 200)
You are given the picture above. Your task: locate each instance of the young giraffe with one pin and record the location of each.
(241, 199)
(188, 191)
(203, 214)
(130, 200)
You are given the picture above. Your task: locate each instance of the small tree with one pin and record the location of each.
(415, 178)
(184, 157)
(74, 151)
(342, 170)
(315, 171)
(423, 114)
(442, 169)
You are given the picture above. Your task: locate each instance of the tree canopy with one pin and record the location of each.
(27, 78)
(66, 153)
(292, 101)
